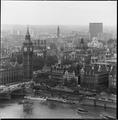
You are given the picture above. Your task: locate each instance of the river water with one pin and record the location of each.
(12, 109)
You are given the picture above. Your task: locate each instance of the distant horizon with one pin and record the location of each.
(56, 25)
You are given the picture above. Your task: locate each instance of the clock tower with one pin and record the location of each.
(27, 57)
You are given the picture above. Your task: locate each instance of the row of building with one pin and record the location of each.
(89, 77)
(12, 74)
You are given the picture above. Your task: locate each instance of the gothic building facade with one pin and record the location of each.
(27, 57)
(13, 72)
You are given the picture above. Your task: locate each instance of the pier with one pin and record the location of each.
(99, 102)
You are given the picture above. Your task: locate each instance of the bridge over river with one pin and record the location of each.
(13, 89)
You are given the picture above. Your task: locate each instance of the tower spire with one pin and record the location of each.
(27, 30)
(27, 36)
(58, 31)
(27, 57)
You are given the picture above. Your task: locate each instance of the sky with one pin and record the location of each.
(58, 12)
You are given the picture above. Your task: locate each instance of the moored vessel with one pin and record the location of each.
(80, 110)
(55, 99)
(107, 116)
(35, 98)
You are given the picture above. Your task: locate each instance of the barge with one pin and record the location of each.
(107, 116)
(61, 100)
(80, 110)
(35, 98)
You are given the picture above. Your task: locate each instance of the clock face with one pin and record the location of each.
(25, 49)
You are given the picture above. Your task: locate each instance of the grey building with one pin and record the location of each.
(95, 29)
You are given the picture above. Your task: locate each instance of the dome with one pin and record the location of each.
(95, 43)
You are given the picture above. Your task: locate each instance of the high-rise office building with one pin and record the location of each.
(95, 30)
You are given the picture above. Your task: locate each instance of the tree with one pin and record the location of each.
(51, 60)
(52, 82)
(38, 62)
(53, 46)
(71, 83)
(67, 62)
(88, 59)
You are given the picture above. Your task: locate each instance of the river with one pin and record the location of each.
(12, 109)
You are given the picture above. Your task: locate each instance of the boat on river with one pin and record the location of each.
(41, 99)
(55, 99)
(72, 101)
(80, 110)
(107, 116)
(61, 100)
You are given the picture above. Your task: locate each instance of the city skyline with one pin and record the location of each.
(58, 59)
(58, 13)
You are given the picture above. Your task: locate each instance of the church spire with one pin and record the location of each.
(27, 30)
(27, 36)
(58, 32)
